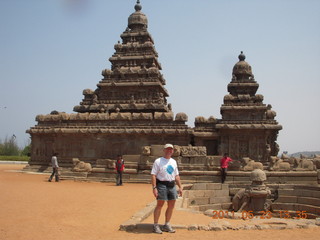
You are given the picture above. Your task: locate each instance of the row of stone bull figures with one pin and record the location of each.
(284, 163)
(196, 158)
(189, 157)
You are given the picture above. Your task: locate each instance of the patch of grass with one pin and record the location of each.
(15, 158)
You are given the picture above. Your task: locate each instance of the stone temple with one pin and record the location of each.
(128, 110)
(128, 114)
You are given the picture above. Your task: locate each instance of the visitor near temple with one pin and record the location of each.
(224, 164)
(55, 168)
(119, 169)
(164, 177)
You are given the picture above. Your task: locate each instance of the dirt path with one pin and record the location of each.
(34, 209)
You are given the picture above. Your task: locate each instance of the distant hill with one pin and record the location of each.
(305, 153)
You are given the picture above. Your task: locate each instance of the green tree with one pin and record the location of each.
(1, 147)
(9, 147)
(26, 151)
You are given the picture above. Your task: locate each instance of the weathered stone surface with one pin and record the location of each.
(199, 186)
(80, 166)
(131, 158)
(301, 164)
(214, 186)
(215, 227)
(198, 201)
(250, 164)
(220, 200)
(157, 150)
(277, 164)
(193, 227)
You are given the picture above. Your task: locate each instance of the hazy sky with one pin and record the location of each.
(50, 50)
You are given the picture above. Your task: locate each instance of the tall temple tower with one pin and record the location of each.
(247, 127)
(134, 84)
(127, 111)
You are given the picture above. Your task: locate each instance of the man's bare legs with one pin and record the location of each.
(169, 211)
(157, 211)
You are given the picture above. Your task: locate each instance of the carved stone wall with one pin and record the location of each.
(90, 147)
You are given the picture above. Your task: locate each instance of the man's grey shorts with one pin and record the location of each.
(166, 193)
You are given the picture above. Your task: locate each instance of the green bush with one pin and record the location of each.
(26, 151)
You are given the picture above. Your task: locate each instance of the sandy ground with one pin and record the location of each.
(32, 209)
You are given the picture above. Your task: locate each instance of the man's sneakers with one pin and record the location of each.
(164, 228)
(156, 229)
(168, 228)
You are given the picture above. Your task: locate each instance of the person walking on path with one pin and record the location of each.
(55, 168)
(224, 164)
(119, 169)
(164, 177)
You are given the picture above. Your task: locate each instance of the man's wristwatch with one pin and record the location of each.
(154, 187)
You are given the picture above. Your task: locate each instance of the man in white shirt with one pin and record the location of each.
(164, 176)
(55, 168)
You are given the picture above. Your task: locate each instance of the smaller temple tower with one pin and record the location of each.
(247, 127)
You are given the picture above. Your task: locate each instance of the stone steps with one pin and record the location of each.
(297, 198)
(204, 196)
(296, 208)
(217, 206)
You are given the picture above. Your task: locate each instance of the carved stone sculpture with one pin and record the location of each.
(250, 164)
(191, 151)
(301, 164)
(181, 117)
(239, 199)
(200, 119)
(268, 151)
(277, 164)
(254, 197)
(110, 164)
(177, 151)
(146, 151)
(316, 161)
(270, 114)
(80, 166)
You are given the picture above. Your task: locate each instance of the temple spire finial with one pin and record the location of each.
(138, 6)
(242, 57)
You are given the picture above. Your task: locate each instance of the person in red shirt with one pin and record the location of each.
(119, 169)
(224, 163)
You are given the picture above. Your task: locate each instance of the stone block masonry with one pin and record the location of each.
(203, 196)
